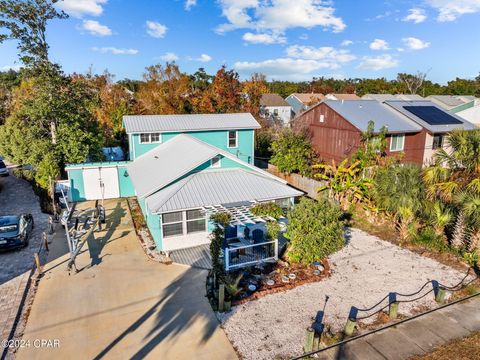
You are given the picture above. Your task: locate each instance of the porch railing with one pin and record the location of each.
(249, 255)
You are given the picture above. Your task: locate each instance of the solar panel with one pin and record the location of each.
(432, 115)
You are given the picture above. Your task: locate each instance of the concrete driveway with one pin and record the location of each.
(121, 305)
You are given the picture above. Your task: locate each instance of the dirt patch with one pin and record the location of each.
(465, 349)
(364, 272)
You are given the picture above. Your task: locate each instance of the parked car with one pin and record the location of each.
(15, 231)
(3, 169)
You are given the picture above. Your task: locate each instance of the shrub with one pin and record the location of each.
(315, 230)
(267, 209)
(430, 239)
(293, 153)
(220, 220)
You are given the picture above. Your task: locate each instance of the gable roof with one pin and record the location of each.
(173, 159)
(272, 100)
(360, 112)
(308, 97)
(450, 102)
(218, 187)
(385, 97)
(188, 122)
(400, 106)
(344, 96)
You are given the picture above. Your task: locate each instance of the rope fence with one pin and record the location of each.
(390, 301)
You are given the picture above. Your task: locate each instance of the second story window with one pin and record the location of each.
(150, 138)
(232, 139)
(397, 142)
(437, 142)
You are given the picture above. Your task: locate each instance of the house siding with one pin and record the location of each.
(337, 139)
(218, 138)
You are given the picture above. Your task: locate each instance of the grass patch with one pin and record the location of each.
(427, 238)
(465, 349)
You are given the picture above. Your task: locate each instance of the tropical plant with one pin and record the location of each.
(344, 182)
(292, 153)
(220, 221)
(439, 216)
(429, 238)
(267, 209)
(315, 230)
(373, 147)
(233, 285)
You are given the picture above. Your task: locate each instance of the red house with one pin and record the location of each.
(414, 128)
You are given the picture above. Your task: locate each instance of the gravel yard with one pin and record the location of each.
(362, 274)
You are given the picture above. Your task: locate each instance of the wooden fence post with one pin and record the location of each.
(351, 321)
(310, 335)
(37, 263)
(393, 306)
(221, 297)
(50, 225)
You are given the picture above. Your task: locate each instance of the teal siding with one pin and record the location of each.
(218, 138)
(77, 188)
(463, 107)
(125, 183)
(153, 222)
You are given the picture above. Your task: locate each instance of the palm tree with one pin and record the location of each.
(440, 216)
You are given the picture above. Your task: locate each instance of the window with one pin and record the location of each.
(232, 139)
(150, 138)
(172, 224)
(195, 221)
(322, 118)
(397, 142)
(437, 142)
(275, 112)
(215, 162)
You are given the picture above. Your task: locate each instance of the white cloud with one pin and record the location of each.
(346, 43)
(78, 8)
(377, 63)
(415, 44)
(204, 58)
(115, 51)
(416, 16)
(267, 39)
(169, 56)
(303, 37)
(325, 53)
(95, 28)
(379, 44)
(155, 29)
(10, 67)
(189, 4)
(450, 10)
(283, 68)
(279, 15)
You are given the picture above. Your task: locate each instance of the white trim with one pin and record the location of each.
(150, 138)
(236, 139)
(402, 136)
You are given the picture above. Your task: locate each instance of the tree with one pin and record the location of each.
(412, 82)
(374, 146)
(8, 81)
(225, 93)
(165, 90)
(315, 230)
(253, 89)
(293, 153)
(26, 21)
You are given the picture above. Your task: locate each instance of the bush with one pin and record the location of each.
(267, 209)
(315, 230)
(428, 238)
(293, 153)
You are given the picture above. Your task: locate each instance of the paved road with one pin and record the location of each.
(416, 337)
(17, 197)
(121, 305)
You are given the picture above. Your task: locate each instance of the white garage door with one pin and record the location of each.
(98, 180)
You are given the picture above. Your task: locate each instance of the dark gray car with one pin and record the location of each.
(15, 231)
(3, 169)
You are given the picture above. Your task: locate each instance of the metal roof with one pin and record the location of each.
(399, 106)
(385, 97)
(216, 187)
(342, 97)
(189, 122)
(173, 159)
(272, 100)
(450, 101)
(360, 112)
(307, 98)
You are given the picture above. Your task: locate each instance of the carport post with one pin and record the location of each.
(50, 225)
(45, 240)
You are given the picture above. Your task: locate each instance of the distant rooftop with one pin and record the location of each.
(385, 97)
(309, 97)
(272, 100)
(451, 101)
(360, 112)
(190, 122)
(343, 97)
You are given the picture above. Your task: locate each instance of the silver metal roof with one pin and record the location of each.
(173, 159)
(190, 122)
(450, 101)
(361, 112)
(385, 97)
(399, 106)
(217, 187)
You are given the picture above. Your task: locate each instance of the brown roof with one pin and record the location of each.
(309, 98)
(346, 96)
(273, 100)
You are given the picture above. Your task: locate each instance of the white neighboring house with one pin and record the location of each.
(272, 107)
(472, 114)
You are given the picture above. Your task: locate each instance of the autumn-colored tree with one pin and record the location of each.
(225, 93)
(253, 89)
(166, 90)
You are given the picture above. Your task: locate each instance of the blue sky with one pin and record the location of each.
(285, 39)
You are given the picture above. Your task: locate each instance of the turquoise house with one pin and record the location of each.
(183, 168)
